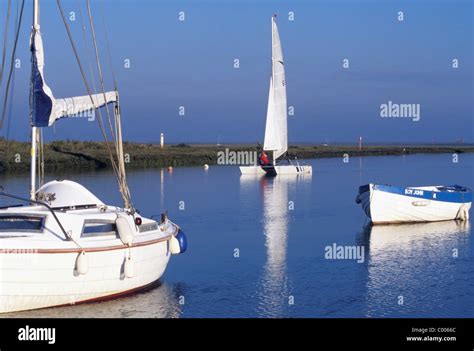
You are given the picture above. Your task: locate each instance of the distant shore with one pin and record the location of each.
(61, 156)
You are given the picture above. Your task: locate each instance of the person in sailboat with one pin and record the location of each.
(263, 159)
(265, 162)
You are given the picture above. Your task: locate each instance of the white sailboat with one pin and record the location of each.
(66, 246)
(276, 129)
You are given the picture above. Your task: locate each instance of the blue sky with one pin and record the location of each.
(190, 64)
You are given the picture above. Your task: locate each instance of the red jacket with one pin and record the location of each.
(264, 159)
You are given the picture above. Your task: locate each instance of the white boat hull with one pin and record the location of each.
(108, 252)
(45, 279)
(279, 169)
(251, 170)
(383, 207)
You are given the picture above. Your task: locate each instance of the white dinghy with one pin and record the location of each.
(385, 204)
(64, 245)
(276, 129)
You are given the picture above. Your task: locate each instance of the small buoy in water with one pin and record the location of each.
(206, 166)
(82, 263)
(129, 268)
(170, 169)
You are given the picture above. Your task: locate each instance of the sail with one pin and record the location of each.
(76, 105)
(276, 130)
(45, 108)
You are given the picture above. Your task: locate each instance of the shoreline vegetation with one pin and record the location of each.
(61, 156)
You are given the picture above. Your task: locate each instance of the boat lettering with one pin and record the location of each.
(413, 192)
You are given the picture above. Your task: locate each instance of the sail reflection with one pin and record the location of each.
(273, 290)
(407, 258)
(159, 302)
(275, 229)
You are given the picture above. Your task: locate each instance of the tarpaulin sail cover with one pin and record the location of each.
(45, 108)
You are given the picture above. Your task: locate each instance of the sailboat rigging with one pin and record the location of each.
(82, 248)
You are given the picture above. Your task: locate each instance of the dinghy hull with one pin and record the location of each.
(385, 204)
(251, 170)
(278, 169)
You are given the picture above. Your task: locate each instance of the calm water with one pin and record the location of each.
(279, 229)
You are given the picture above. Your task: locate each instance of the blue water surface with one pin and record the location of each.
(256, 246)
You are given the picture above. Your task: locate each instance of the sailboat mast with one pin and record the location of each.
(34, 130)
(273, 71)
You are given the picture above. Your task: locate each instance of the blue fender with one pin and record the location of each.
(182, 240)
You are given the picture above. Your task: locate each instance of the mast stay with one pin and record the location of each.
(119, 169)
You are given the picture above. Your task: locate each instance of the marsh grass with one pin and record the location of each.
(84, 155)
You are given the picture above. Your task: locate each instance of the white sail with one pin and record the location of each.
(276, 130)
(46, 109)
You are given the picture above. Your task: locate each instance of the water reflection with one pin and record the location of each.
(273, 290)
(159, 302)
(408, 258)
(274, 286)
(162, 189)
